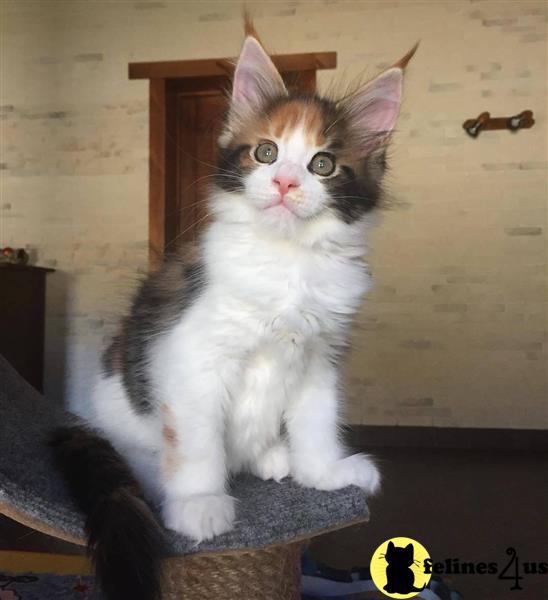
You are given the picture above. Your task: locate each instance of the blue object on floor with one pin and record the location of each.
(47, 586)
(320, 582)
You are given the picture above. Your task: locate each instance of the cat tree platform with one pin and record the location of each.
(258, 560)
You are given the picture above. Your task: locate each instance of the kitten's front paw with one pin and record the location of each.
(200, 517)
(357, 469)
(273, 463)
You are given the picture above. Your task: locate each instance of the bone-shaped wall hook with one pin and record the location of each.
(473, 127)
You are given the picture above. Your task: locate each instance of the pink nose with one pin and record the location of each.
(285, 183)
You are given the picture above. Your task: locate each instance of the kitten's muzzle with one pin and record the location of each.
(285, 183)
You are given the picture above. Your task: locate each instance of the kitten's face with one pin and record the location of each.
(291, 161)
(283, 151)
(288, 159)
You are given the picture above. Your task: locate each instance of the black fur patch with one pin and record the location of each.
(110, 358)
(125, 541)
(229, 175)
(157, 306)
(355, 193)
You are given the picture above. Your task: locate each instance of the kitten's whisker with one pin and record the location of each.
(346, 198)
(193, 224)
(326, 131)
(197, 160)
(184, 207)
(202, 200)
(211, 165)
(210, 176)
(199, 202)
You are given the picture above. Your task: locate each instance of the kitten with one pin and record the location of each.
(228, 359)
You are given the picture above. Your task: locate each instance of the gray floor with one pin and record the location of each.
(469, 505)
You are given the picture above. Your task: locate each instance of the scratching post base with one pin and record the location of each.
(271, 573)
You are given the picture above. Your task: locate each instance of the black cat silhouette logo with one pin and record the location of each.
(397, 568)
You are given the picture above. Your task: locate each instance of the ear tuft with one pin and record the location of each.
(249, 27)
(404, 61)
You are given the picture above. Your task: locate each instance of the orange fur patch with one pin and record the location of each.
(171, 456)
(170, 435)
(296, 113)
(282, 121)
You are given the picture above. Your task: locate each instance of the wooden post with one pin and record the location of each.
(157, 171)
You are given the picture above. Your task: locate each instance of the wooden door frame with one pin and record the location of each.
(198, 76)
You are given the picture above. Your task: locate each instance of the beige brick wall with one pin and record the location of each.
(455, 331)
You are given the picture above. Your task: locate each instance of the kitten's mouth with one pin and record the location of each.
(282, 206)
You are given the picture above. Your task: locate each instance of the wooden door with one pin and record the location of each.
(197, 127)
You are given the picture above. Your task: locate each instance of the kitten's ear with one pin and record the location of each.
(256, 80)
(391, 546)
(373, 109)
(409, 548)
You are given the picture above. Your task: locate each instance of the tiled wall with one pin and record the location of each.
(455, 331)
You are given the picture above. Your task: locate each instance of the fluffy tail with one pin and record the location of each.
(124, 539)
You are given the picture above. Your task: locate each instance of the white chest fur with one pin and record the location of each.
(277, 303)
(286, 284)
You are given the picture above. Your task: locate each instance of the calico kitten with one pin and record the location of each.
(228, 358)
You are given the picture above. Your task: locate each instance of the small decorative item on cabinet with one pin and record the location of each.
(14, 256)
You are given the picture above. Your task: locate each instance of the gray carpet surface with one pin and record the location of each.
(267, 512)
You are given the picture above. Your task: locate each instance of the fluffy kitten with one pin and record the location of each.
(228, 358)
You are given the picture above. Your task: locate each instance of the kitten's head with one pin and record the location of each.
(287, 159)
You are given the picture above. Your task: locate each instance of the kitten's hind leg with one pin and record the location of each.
(193, 463)
(273, 463)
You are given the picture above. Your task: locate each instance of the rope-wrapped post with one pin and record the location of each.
(271, 573)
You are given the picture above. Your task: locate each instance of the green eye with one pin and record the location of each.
(322, 164)
(266, 152)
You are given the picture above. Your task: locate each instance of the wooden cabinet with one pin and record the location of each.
(22, 316)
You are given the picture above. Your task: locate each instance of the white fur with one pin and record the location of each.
(253, 352)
